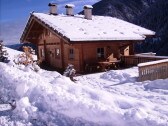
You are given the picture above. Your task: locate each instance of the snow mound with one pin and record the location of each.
(46, 98)
(44, 95)
(121, 76)
(157, 84)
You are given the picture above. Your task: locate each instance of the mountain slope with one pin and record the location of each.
(156, 18)
(127, 10)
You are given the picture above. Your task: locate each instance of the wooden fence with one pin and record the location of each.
(153, 70)
(134, 60)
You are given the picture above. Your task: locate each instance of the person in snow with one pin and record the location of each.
(70, 72)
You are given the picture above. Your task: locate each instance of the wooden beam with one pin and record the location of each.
(81, 58)
(62, 53)
(27, 31)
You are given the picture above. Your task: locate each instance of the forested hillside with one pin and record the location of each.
(152, 14)
(124, 9)
(156, 18)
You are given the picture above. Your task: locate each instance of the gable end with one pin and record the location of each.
(29, 25)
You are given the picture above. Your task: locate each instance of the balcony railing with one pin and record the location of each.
(153, 70)
(134, 60)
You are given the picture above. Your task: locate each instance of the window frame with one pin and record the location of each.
(57, 53)
(100, 53)
(42, 53)
(71, 54)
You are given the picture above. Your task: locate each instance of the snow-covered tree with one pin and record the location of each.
(26, 58)
(70, 72)
(3, 53)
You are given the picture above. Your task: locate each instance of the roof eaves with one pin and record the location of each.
(149, 33)
(111, 39)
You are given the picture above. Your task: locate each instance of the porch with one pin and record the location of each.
(101, 66)
(122, 63)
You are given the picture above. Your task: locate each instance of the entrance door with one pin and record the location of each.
(52, 56)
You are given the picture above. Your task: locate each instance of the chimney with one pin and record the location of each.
(53, 8)
(88, 12)
(69, 9)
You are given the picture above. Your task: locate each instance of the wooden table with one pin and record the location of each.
(108, 64)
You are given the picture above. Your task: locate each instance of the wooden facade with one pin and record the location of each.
(58, 51)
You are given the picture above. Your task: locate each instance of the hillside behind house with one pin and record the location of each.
(127, 10)
(151, 14)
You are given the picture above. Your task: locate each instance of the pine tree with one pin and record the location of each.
(3, 53)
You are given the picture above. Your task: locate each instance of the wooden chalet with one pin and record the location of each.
(81, 40)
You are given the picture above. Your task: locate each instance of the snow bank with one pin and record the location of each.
(157, 84)
(49, 93)
(48, 98)
(121, 76)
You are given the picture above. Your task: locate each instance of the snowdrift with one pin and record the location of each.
(113, 98)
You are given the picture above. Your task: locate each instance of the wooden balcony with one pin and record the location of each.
(156, 70)
(134, 60)
(150, 67)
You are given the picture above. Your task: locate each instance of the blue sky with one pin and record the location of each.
(20, 9)
(14, 14)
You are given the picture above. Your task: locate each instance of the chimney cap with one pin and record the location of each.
(52, 4)
(88, 7)
(69, 6)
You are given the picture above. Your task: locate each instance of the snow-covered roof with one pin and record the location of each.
(76, 28)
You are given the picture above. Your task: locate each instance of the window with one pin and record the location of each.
(42, 52)
(71, 53)
(100, 52)
(57, 53)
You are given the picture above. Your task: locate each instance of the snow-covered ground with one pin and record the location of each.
(113, 98)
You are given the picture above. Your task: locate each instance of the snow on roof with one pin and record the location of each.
(76, 28)
(88, 6)
(69, 5)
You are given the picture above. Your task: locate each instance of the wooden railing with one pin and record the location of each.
(153, 70)
(134, 60)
